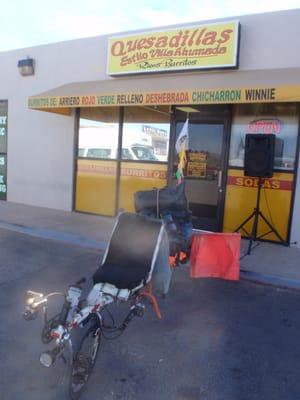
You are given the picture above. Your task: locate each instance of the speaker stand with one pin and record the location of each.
(255, 215)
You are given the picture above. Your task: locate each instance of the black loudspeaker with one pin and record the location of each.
(259, 155)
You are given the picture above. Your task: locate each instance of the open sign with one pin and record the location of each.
(266, 125)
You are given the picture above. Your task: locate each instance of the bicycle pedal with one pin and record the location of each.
(79, 378)
(82, 361)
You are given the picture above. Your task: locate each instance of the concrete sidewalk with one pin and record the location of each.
(268, 263)
(74, 228)
(272, 264)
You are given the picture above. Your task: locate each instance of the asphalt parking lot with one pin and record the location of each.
(217, 340)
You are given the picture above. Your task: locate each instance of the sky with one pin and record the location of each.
(26, 23)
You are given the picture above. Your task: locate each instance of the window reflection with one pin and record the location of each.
(98, 139)
(204, 154)
(279, 119)
(144, 153)
(146, 134)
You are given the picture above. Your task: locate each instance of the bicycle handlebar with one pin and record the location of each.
(64, 313)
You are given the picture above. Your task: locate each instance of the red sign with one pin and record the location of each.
(267, 125)
(249, 182)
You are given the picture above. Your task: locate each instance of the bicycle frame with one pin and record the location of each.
(59, 327)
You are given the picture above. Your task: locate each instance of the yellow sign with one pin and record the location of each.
(288, 93)
(197, 156)
(197, 164)
(185, 48)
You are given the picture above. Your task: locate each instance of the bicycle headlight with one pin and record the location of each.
(30, 301)
(35, 299)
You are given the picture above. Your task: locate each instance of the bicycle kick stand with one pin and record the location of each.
(256, 214)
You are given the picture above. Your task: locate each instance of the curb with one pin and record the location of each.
(255, 277)
(270, 280)
(54, 235)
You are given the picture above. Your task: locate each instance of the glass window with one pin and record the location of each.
(204, 153)
(98, 139)
(126, 155)
(99, 153)
(146, 134)
(279, 119)
(160, 147)
(144, 153)
(96, 166)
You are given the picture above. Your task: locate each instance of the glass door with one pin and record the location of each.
(205, 171)
(96, 167)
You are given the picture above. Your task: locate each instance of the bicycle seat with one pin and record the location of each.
(131, 253)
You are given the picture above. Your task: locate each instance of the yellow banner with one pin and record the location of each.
(96, 184)
(265, 94)
(139, 176)
(184, 48)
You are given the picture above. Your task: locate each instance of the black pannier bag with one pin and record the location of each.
(169, 204)
(167, 198)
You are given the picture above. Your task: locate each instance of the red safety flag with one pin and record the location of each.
(215, 255)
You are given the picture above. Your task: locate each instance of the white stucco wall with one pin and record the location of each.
(40, 144)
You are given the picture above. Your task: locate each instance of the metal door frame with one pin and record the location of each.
(207, 115)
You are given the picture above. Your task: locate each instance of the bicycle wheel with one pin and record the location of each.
(85, 350)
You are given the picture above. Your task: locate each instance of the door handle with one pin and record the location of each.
(220, 174)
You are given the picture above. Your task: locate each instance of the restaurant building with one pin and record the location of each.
(86, 123)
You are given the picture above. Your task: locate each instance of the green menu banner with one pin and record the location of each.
(2, 177)
(3, 148)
